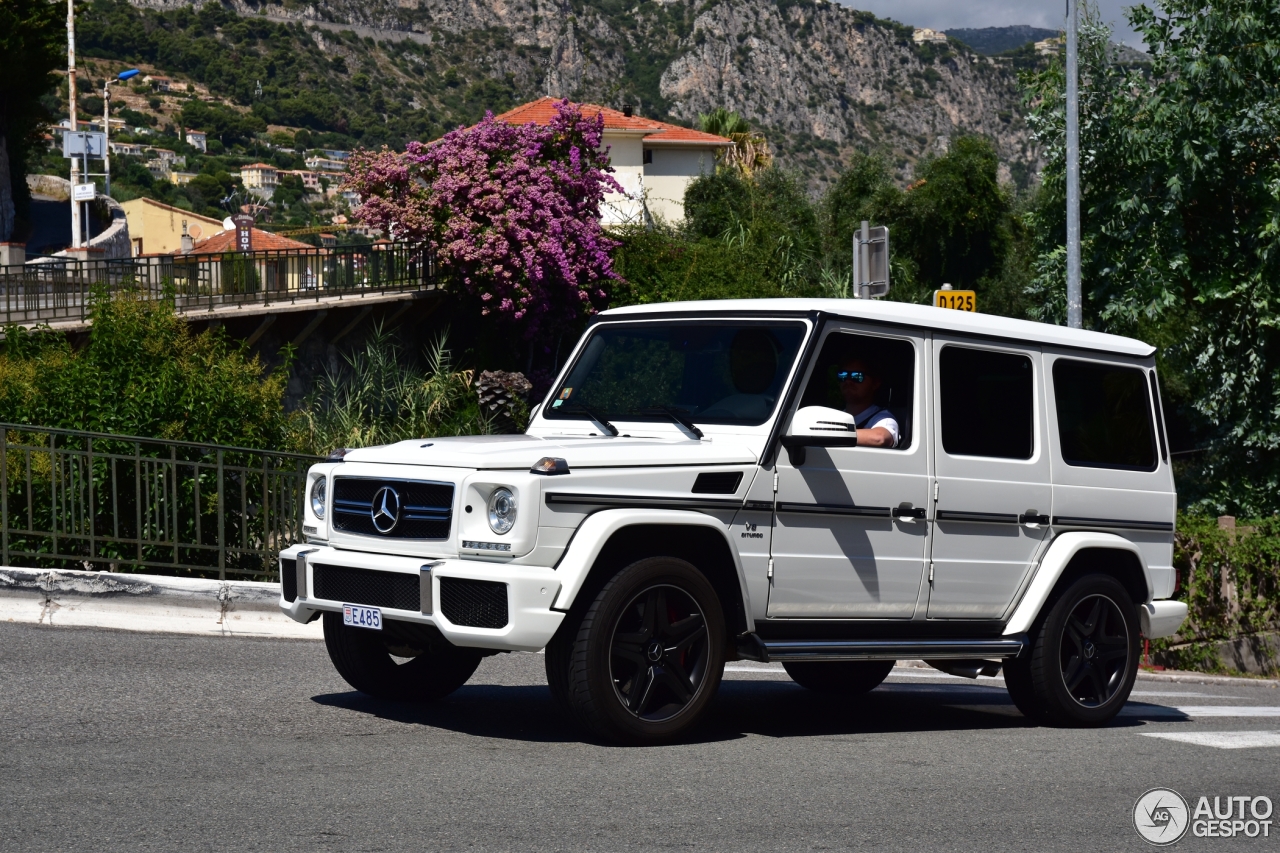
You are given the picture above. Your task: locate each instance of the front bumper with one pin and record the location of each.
(530, 591)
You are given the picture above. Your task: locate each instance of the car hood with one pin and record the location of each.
(521, 451)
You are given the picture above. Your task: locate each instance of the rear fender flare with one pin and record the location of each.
(1055, 562)
(594, 533)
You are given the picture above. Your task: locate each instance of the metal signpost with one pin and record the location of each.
(870, 261)
(1075, 302)
(71, 89)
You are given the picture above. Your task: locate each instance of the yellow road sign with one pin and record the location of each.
(960, 300)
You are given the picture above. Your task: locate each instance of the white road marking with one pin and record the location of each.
(1181, 693)
(1230, 710)
(1201, 710)
(1221, 740)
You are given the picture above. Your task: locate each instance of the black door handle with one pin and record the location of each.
(1033, 517)
(906, 510)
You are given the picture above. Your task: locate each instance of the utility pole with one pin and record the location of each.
(71, 88)
(1075, 302)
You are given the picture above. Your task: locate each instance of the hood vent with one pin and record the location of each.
(717, 483)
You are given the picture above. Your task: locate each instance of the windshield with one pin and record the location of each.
(710, 372)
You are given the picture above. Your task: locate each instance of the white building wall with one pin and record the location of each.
(669, 174)
(626, 156)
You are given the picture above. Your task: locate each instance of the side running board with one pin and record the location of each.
(751, 647)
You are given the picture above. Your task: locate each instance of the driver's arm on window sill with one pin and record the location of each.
(875, 437)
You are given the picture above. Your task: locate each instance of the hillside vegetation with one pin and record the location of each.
(819, 79)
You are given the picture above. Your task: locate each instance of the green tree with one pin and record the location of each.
(750, 152)
(30, 42)
(954, 224)
(1180, 217)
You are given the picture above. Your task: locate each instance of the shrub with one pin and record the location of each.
(143, 373)
(1230, 580)
(377, 398)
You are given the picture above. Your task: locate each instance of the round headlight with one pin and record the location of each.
(318, 490)
(502, 511)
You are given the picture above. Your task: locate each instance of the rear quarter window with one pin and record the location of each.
(1104, 415)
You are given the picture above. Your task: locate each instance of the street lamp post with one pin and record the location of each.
(1075, 306)
(71, 88)
(106, 123)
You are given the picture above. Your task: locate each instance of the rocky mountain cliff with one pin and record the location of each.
(819, 78)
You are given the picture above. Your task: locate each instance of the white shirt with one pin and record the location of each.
(874, 416)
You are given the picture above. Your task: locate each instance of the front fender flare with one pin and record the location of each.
(1055, 562)
(592, 534)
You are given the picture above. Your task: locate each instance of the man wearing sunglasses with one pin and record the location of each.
(859, 383)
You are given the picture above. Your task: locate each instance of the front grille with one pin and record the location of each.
(289, 579)
(426, 508)
(474, 604)
(365, 586)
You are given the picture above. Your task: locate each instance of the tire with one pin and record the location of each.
(1084, 656)
(839, 678)
(362, 658)
(556, 659)
(648, 655)
(1017, 680)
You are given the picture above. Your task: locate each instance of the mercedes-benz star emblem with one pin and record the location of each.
(385, 509)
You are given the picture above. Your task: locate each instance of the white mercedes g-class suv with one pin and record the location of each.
(833, 484)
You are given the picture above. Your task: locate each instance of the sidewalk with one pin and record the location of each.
(63, 598)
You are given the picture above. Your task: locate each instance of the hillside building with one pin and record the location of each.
(924, 35)
(653, 161)
(198, 139)
(156, 228)
(260, 176)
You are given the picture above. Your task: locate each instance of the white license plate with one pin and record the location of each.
(362, 617)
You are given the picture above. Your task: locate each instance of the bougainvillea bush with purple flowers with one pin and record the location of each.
(512, 212)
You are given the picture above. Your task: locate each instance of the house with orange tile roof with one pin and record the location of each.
(654, 161)
(262, 241)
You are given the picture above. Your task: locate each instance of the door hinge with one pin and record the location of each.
(935, 491)
(931, 573)
(771, 568)
(775, 482)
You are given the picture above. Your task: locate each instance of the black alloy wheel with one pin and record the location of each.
(660, 653)
(1084, 656)
(373, 662)
(641, 661)
(1094, 652)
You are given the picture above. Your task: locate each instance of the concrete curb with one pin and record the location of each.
(65, 598)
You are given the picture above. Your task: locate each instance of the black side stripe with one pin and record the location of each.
(980, 517)
(836, 509)
(642, 501)
(1112, 523)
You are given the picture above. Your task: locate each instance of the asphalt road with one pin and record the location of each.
(125, 741)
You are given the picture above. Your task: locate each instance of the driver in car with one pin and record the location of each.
(859, 382)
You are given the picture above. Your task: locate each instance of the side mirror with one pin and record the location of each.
(818, 426)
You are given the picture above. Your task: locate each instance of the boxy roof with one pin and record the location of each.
(919, 316)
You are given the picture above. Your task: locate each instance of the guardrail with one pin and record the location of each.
(61, 289)
(83, 500)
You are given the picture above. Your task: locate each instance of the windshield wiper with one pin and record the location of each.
(675, 415)
(595, 416)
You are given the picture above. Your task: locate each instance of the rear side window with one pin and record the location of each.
(987, 403)
(1104, 415)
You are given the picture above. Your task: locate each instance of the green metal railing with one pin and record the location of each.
(82, 500)
(60, 289)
